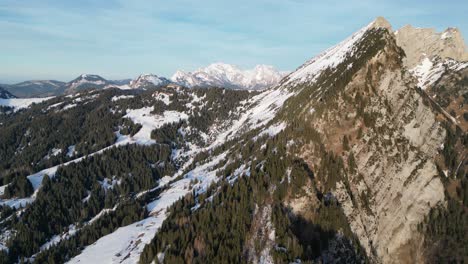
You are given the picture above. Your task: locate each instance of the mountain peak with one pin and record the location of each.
(148, 80)
(334, 56)
(381, 22)
(230, 76)
(420, 43)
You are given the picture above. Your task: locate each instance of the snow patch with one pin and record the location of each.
(21, 103)
(121, 97)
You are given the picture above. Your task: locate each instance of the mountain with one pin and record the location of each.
(229, 76)
(4, 94)
(36, 88)
(354, 157)
(86, 81)
(421, 43)
(145, 81)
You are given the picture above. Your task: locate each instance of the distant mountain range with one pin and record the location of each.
(215, 75)
(229, 76)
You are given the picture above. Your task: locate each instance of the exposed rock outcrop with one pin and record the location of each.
(420, 43)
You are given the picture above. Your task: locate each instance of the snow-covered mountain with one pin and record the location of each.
(346, 160)
(86, 81)
(145, 81)
(230, 76)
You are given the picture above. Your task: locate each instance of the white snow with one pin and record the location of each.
(120, 97)
(57, 238)
(126, 243)
(71, 151)
(108, 184)
(2, 189)
(445, 35)
(87, 79)
(272, 130)
(148, 79)
(330, 58)
(429, 71)
(265, 106)
(150, 122)
(70, 106)
(230, 76)
(21, 103)
(141, 116)
(163, 97)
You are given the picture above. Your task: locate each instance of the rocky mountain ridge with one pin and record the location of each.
(354, 157)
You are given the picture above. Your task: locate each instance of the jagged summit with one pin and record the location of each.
(334, 56)
(421, 43)
(230, 76)
(381, 22)
(149, 80)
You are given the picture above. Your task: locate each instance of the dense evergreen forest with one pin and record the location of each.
(219, 225)
(115, 181)
(446, 227)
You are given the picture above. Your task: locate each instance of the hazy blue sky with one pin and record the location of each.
(60, 39)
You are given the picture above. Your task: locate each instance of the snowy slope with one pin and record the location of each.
(127, 243)
(229, 76)
(429, 71)
(331, 57)
(20, 103)
(86, 81)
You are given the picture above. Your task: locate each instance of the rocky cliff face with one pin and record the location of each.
(374, 117)
(354, 156)
(420, 43)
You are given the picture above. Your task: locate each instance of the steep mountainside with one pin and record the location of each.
(420, 43)
(354, 157)
(229, 76)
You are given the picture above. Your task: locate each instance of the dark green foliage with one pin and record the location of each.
(214, 233)
(331, 170)
(299, 238)
(29, 136)
(446, 229)
(332, 81)
(128, 211)
(59, 202)
(19, 187)
(218, 105)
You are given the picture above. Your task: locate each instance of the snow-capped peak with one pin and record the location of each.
(333, 56)
(230, 76)
(147, 80)
(85, 81)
